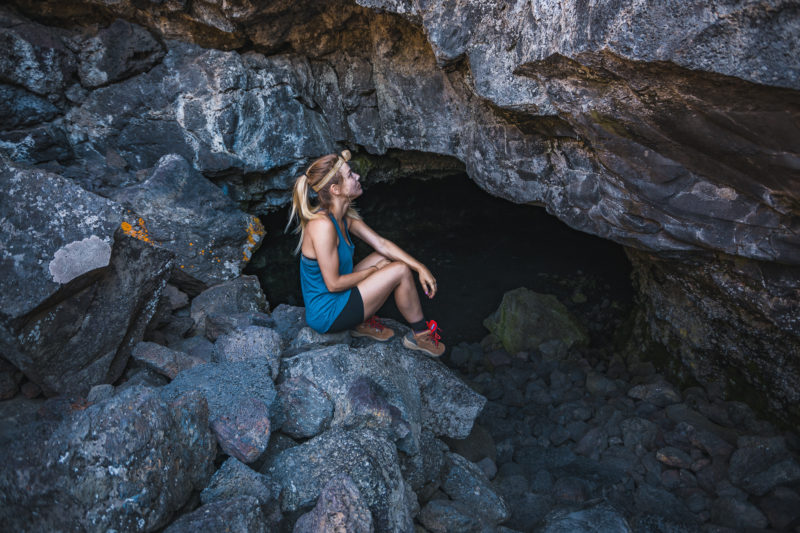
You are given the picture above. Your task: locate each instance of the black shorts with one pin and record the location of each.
(352, 314)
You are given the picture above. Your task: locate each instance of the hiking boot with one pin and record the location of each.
(425, 341)
(374, 329)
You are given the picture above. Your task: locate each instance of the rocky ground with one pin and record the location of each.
(229, 415)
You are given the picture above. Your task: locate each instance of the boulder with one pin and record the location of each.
(240, 396)
(465, 482)
(20, 108)
(365, 456)
(127, 463)
(222, 323)
(304, 410)
(117, 52)
(601, 517)
(76, 291)
(340, 507)
(241, 514)
(526, 319)
(252, 342)
(163, 360)
(233, 479)
(240, 295)
(762, 463)
(185, 213)
(446, 516)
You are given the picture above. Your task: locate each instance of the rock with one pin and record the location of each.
(20, 108)
(478, 445)
(197, 347)
(175, 297)
(781, 507)
(250, 343)
(107, 451)
(571, 490)
(638, 431)
(8, 385)
(660, 394)
(600, 517)
(424, 468)
(30, 390)
(762, 463)
(240, 295)
(241, 514)
(71, 283)
(426, 394)
(592, 444)
(366, 405)
(163, 360)
(143, 377)
(289, 320)
(224, 323)
(488, 467)
(340, 507)
(737, 514)
(185, 213)
(600, 385)
(240, 396)
(465, 482)
(365, 456)
(660, 503)
(308, 339)
(674, 457)
(444, 516)
(304, 409)
(526, 319)
(234, 479)
(120, 51)
(99, 393)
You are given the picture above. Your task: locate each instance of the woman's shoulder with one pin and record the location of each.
(320, 224)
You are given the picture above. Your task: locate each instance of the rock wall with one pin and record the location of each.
(668, 129)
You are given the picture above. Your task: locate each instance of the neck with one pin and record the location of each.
(339, 207)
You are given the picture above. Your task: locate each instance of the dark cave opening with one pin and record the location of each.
(478, 247)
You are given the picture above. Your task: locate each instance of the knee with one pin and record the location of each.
(403, 271)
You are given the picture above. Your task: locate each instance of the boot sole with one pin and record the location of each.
(411, 346)
(356, 334)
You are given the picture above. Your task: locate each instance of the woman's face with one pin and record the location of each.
(349, 185)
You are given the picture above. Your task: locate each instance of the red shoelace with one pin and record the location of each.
(375, 322)
(434, 327)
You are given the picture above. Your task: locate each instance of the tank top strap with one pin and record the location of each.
(347, 241)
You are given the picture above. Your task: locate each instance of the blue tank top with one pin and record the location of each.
(323, 306)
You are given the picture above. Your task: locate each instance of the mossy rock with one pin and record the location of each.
(526, 319)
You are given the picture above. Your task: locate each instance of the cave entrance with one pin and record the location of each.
(478, 247)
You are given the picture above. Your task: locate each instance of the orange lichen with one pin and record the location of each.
(137, 230)
(255, 231)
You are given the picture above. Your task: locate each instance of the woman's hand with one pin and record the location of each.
(428, 282)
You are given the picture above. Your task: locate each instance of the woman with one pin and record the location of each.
(339, 296)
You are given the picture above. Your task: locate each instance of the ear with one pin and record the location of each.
(336, 191)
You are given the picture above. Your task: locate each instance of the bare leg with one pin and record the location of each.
(397, 278)
(371, 260)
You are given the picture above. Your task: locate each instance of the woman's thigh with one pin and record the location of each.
(371, 260)
(375, 290)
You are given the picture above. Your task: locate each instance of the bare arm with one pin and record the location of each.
(323, 238)
(387, 248)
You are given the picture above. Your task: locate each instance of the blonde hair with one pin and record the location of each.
(325, 171)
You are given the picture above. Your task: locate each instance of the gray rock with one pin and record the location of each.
(8, 385)
(369, 460)
(197, 347)
(240, 396)
(71, 282)
(252, 342)
(660, 393)
(163, 360)
(224, 323)
(737, 514)
(107, 451)
(638, 431)
(593, 519)
(674, 457)
(781, 507)
(143, 377)
(99, 393)
(571, 490)
(240, 295)
(233, 479)
(762, 463)
(445, 516)
(526, 319)
(659, 502)
(488, 467)
(20, 108)
(186, 214)
(308, 339)
(304, 410)
(241, 514)
(120, 51)
(425, 467)
(465, 482)
(600, 385)
(175, 297)
(289, 320)
(340, 507)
